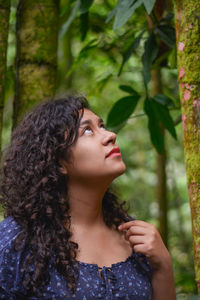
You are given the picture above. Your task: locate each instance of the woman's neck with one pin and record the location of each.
(86, 204)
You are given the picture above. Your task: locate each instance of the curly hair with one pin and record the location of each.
(34, 191)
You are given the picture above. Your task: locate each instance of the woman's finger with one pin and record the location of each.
(136, 230)
(127, 225)
(136, 239)
(140, 248)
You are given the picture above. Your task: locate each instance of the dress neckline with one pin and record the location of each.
(93, 265)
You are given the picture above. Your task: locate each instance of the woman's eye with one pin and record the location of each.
(102, 126)
(87, 130)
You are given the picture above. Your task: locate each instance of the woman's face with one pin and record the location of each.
(90, 155)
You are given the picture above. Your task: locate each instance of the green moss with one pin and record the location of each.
(37, 41)
(36, 84)
(188, 33)
(39, 32)
(187, 14)
(196, 236)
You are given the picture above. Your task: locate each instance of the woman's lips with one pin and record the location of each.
(114, 152)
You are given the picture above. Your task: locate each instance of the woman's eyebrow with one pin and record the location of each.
(89, 121)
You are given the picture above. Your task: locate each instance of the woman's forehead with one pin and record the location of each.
(88, 115)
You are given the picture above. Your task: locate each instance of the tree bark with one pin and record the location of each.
(187, 16)
(4, 27)
(36, 61)
(161, 160)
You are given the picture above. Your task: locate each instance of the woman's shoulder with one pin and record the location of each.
(9, 229)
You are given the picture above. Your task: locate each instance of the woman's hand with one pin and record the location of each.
(144, 238)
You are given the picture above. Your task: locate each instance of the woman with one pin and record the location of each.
(66, 235)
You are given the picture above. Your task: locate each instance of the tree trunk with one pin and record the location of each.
(161, 161)
(187, 16)
(36, 61)
(4, 26)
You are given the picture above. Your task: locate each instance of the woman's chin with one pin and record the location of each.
(120, 171)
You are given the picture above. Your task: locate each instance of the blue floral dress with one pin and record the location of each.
(127, 280)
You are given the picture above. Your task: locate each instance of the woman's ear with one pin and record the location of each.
(63, 167)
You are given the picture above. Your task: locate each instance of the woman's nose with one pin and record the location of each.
(110, 137)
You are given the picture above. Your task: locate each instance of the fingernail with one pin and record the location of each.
(120, 226)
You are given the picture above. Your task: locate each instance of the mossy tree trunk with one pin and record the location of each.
(4, 26)
(36, 59)
(187, 16)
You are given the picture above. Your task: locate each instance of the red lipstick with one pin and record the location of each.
(114, 152)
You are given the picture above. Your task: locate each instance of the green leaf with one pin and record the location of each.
(65, 9)
(127, 54)
(111, 14)
(172, 58)
(121, 110)
(84, 53)
(167, 34)
(158, 113)
(128, 89)
(101, 83)
(85, 5)
(156, 135)
(72, 16)
(84, 25)
(90, 45)
(125, 9)
(150, 53)
(162, 114)
(117, 128)
(149, 4)
(164, 100)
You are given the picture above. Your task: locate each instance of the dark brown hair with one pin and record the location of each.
(34, 191)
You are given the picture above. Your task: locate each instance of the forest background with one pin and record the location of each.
(123, 57)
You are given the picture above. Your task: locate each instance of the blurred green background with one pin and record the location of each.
(95, 75)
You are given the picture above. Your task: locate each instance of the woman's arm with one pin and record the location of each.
(144, 238)
(163, 283)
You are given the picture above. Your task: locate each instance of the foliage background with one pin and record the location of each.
(94, 73)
